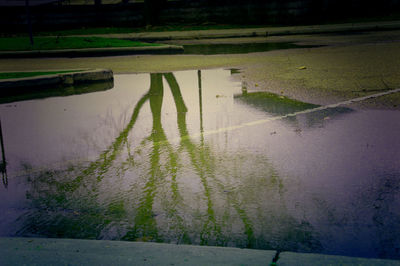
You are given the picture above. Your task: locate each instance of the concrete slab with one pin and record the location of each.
(299, 259)
(41, 251)
(70, 78)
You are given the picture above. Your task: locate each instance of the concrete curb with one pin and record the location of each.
(303, 259)
(50, 251)
(42, 251)
(61, 79)
(88, 52)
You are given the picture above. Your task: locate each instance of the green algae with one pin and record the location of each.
(273, 103)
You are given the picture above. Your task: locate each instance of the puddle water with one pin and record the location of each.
(240, 48)
(166, 158)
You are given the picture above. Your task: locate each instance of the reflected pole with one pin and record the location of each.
(3, 167)
(200, 106)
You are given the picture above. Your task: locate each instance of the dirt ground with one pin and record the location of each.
(342, 67)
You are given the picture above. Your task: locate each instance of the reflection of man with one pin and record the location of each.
(156, 93)
(145, 226)
(156, 96)
(181, 108)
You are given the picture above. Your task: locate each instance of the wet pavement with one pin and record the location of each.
(193, 157)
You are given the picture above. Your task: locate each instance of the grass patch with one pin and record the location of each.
(15, 75)
(116, 30)
(204, 26)
(87, 31)
(58, 43)
(273, 103)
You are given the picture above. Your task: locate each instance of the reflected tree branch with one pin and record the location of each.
(108, 156)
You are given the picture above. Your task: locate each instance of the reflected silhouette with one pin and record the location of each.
(145, 227)
(198, 158)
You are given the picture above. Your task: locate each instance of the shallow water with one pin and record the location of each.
(191, 157)
(239, 48)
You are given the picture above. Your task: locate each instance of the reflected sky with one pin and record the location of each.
(162, 157)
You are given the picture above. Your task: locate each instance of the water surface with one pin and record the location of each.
(239, 48)
(191, 157)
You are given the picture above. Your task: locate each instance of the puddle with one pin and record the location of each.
(189, 158)
(241, 48)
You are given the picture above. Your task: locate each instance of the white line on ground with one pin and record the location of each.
(262, 121)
